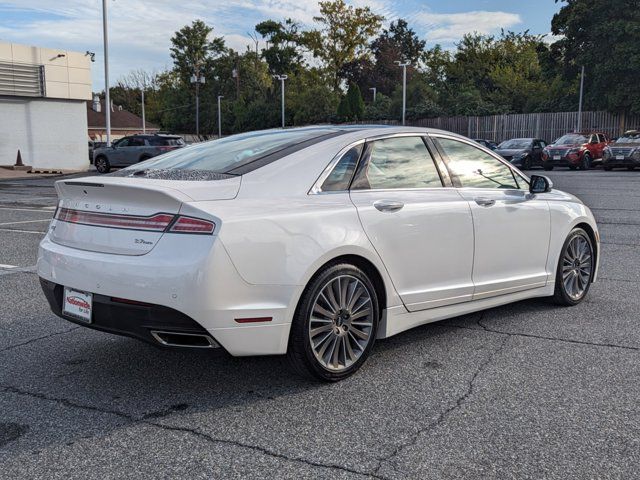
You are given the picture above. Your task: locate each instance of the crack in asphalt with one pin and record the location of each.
(27, 342)
(442, 417)
(485, 328)
(145, 420)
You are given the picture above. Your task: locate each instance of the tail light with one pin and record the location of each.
(160, 222)
(192, 225)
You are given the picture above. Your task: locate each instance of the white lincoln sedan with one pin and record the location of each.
(310, 242)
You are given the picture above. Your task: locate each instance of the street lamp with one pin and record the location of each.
(197, 78)
(107, 99)
(282, 78)
(374, 90)
(219, 117)
(404, 66)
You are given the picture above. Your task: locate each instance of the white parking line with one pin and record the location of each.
(43, 209)
(26, 221)
(3, 265)
(21, 231)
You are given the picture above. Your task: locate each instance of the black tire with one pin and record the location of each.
(526, 163)
(561, 295)
(631, 169)
(586, 162)
(300, 351)
(607, 168)
(547, 167)
(102, 164)
(144, 157)
(572, 167)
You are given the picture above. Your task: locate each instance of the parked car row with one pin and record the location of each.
(134, 149)
(577, 151)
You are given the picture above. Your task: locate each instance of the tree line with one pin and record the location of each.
(333, 67)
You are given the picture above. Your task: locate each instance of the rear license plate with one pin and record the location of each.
(557, 157)
(77, 304)
(619, 157)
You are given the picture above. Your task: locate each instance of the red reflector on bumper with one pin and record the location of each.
(254, 320)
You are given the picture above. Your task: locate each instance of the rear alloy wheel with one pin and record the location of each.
(526, 163)
(102, 165)
(335, 325)
(575, 269)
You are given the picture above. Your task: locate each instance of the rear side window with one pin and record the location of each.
(399, 162)
(340, 177)
(475, 168)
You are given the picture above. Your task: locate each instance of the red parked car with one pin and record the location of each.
(575, 150)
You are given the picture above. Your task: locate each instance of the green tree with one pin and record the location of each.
(602, 35)
(343, 35)
(355, 101)
(192, 48)
(282, 53)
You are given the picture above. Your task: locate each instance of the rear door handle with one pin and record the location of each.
(388, 205)
(485, 202)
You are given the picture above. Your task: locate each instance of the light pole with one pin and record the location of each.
(197, 78)
(144, 123)
(219, 117)
(374, 90)
(404, 66)
(282, 78)
(579, 127)
(107, 99)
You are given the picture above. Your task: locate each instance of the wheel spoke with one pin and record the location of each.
(341, 323)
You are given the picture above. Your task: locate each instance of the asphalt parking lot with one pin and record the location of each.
(528, 390)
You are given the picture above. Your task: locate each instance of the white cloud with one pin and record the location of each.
(447, 28)
(140, 30)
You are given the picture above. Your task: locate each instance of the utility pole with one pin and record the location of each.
(107, 99)
(219, 117)
(197, 78)
(282, 78)
(579, 127)
(374, 90)
(404, 66)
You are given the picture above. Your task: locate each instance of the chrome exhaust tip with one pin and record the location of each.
(185, 340)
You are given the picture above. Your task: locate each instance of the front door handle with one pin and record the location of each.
(388, 205)
(485, 202)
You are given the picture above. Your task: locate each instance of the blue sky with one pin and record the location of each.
(140, 30)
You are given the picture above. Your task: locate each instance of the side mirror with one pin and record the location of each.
(540, 184)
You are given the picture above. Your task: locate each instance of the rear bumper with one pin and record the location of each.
(192, 287)
(131, 320)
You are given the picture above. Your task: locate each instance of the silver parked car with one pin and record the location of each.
(134, 149)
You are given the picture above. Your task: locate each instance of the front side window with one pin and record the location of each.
(340, 177)
(123, 143)
(475, 168)
(399, 162)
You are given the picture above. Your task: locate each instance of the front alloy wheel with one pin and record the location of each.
(335, 325)
(102, 165)
(575, 269)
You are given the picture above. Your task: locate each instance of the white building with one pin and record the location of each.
(42, 107)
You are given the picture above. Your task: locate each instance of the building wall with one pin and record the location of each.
(67, 74)
(50, 133)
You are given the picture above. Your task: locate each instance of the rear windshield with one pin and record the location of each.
(225, 154)
(516, 143)
(162, 141)
(571, 140)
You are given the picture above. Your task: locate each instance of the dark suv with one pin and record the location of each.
(575, 150)
(522, 152)
(624, 152)
(134, 149)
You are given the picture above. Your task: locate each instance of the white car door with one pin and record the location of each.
(422, 230)
(512, 227)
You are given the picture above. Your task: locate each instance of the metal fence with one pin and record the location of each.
(547, 126)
